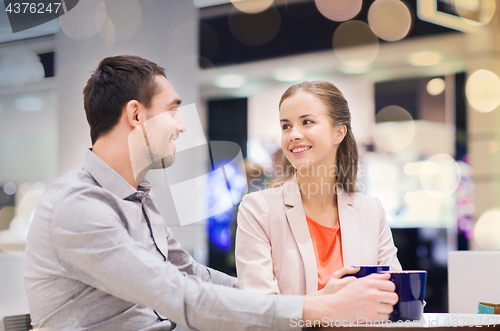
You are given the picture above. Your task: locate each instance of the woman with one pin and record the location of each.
(292, 237)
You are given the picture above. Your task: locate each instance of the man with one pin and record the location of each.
(100, 257)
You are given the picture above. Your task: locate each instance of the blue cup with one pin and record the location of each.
(410, 288)
(365, 270)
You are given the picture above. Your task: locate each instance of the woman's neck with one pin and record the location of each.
(317, 189)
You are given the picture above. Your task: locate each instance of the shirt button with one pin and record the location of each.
(139, 194)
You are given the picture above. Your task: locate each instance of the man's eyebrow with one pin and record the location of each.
(176, 102)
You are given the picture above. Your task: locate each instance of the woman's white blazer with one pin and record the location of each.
(274, 252)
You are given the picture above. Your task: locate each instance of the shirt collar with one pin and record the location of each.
(112, 181)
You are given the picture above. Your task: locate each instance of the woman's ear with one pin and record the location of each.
(132, 112)
(340, 133)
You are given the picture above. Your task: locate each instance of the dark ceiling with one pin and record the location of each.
(303, 29)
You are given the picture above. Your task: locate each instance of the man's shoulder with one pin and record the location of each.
(73, 190)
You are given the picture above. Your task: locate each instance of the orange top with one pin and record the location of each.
(327, 245)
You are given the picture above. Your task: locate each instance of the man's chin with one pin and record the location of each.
(164, 163)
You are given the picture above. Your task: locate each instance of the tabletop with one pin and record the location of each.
(429, 320)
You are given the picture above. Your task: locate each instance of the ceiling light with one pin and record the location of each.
(230, 81)
(288, 74)
(30, 104)
(354, 67)
(424, 58)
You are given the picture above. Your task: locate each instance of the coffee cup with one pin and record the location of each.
(365, 270)
(410, 288)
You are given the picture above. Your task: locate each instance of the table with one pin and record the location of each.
(432, 321)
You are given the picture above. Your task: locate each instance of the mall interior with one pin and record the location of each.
(421, 78)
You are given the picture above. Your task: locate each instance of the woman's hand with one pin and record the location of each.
(336, 282)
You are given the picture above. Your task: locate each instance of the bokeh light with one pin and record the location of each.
(288, 74)
(255, 29)
(252, 6)
(483, 90)
(394, 129)
(27, 205)
(355, 45)
(339, 10)
(126, 16)
(492, 147)
(10, 188)
(391, 20)
(108, 32)
(485, 8)
(424, 58)
(38, 187)
(230, 81)
(6, 215)
(85, 20)
(487, 230)
(436, 86)
(417, 168)
(440, 175)
(179, 43)
(24, 188)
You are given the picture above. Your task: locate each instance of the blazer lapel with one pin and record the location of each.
(298, 224)
(349, 229)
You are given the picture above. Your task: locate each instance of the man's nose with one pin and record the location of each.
(181, 126)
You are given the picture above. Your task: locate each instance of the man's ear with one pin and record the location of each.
(132, 112)
(340, 133)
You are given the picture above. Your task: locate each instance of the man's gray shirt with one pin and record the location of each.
(91, 264)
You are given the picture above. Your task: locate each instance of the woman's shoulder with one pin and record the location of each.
(268, 195)
(361, 200)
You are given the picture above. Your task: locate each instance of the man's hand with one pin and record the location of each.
(369, 298)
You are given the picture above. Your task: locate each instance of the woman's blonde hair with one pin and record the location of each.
(347, 152)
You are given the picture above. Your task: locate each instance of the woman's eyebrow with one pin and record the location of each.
(307, 115)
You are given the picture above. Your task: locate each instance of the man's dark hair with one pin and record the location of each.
(116, 81)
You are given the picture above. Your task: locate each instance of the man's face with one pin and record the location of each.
(162, 124)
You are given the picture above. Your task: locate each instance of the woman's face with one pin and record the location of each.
(308, 136)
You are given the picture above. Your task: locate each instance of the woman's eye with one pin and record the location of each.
(308, 122)
(286, 126)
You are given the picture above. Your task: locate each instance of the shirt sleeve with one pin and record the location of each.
(94, 247)
(254, 264)
(387, 254)
(186, 263)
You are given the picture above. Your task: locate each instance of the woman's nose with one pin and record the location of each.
(295, 134)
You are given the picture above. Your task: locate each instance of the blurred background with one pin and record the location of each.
(420, 77)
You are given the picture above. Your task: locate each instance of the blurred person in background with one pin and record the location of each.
(296, 236)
